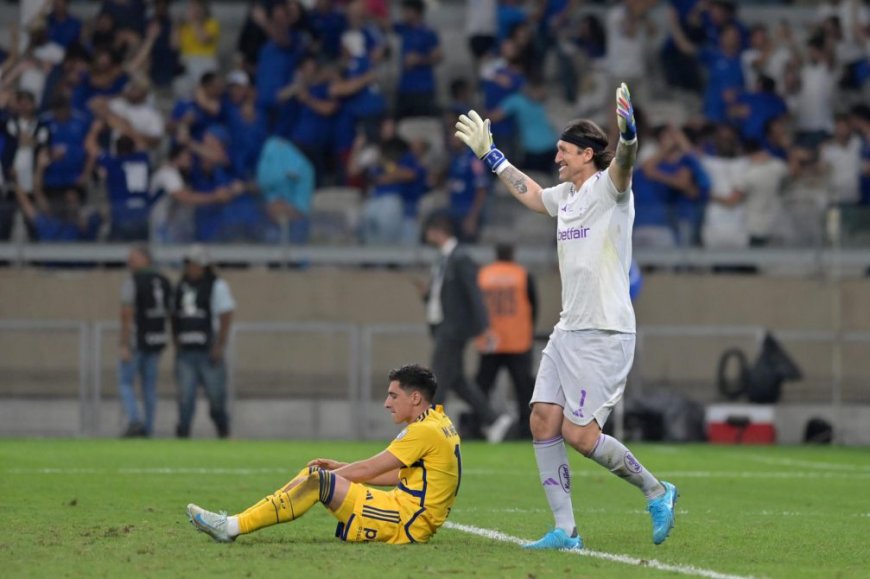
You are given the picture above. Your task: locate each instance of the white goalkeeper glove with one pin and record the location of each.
(474, 132)
(625, 114)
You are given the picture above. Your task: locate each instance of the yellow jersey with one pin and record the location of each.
(429, 449)
(189, 43)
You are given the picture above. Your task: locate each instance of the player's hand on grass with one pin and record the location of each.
(325, 463)
(625, 114)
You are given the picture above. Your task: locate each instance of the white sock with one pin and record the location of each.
(233, 526)
(615, 457)
(556, 480)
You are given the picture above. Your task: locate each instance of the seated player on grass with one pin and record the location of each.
(422, 464)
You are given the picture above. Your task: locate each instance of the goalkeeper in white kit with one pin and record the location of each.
(589, 354)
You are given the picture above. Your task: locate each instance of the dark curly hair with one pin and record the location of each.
(415, 377)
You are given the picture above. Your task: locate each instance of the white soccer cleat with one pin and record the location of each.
(212, 524)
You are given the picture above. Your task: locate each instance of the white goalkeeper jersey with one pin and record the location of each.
(593, 236)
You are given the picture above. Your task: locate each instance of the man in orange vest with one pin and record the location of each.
(511, 302)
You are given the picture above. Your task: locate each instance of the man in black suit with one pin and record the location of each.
(456, 313)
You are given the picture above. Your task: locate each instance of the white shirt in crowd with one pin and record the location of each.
(724, 225)
(33, 78)
(626, 50)
(814, 107)
(762, 183)
(143, 117)
(844, 169)
(593, 235)
(774, 67)
(171, 221)
(481, 18)
(851, 13)
(23, 162)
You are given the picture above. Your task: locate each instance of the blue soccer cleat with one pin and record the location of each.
(212, 524)
(661, 510)
(557, 539)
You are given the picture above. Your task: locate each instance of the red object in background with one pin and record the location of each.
(741, 424)
(724, 433)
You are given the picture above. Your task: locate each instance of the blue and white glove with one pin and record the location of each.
(474, 132)
(625, 115)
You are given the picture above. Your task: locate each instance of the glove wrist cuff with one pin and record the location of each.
(503, 167)
(628, 141)
(629, 133)
(495, 160)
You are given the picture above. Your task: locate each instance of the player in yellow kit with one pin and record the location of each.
(423, 464)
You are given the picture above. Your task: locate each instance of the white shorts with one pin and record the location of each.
(584, 372)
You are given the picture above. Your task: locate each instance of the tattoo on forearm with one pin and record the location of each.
(626, 154)
(515, 179)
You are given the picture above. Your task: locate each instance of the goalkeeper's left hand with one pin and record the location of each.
(625, 114)
(474, 132)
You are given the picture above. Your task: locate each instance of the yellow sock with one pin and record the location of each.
(290, 502)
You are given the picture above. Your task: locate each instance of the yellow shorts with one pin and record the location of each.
(369, 514)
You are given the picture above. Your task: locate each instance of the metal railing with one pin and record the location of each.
(792, 261)
(352, 332)
(82, 329)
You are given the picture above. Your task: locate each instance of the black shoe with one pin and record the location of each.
(182, 432)
(135, 430)
(223, 431)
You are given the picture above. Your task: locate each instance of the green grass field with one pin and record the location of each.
(94, 508)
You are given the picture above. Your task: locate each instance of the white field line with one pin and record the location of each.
(616, 558)
(806, 463)
(702, 474)
(581, 511)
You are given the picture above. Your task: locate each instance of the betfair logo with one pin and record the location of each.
(572, 233)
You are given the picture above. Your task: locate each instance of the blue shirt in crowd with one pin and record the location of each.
(68, 135)
(311, 128)
(763, 106)
(328, 28)
(536, 133)
(465, 176)
(247, 137)
(494, 93)
(127, 186)
(202, 119)
(284, 173)
(369, 101)
(421, 40)
(275, 68)
(85, 91)
(723, 73)
(64, 32)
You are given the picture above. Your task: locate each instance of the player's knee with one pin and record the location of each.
(582, 439)
(544, 422)
(326, 480)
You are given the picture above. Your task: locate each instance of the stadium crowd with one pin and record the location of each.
(133, 125)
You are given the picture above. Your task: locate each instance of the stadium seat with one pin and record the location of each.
(334, 215)
(431, 202)
(427, 129)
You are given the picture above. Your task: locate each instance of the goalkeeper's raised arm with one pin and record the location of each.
(626, 149)
(582, 151)
(474, 132)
